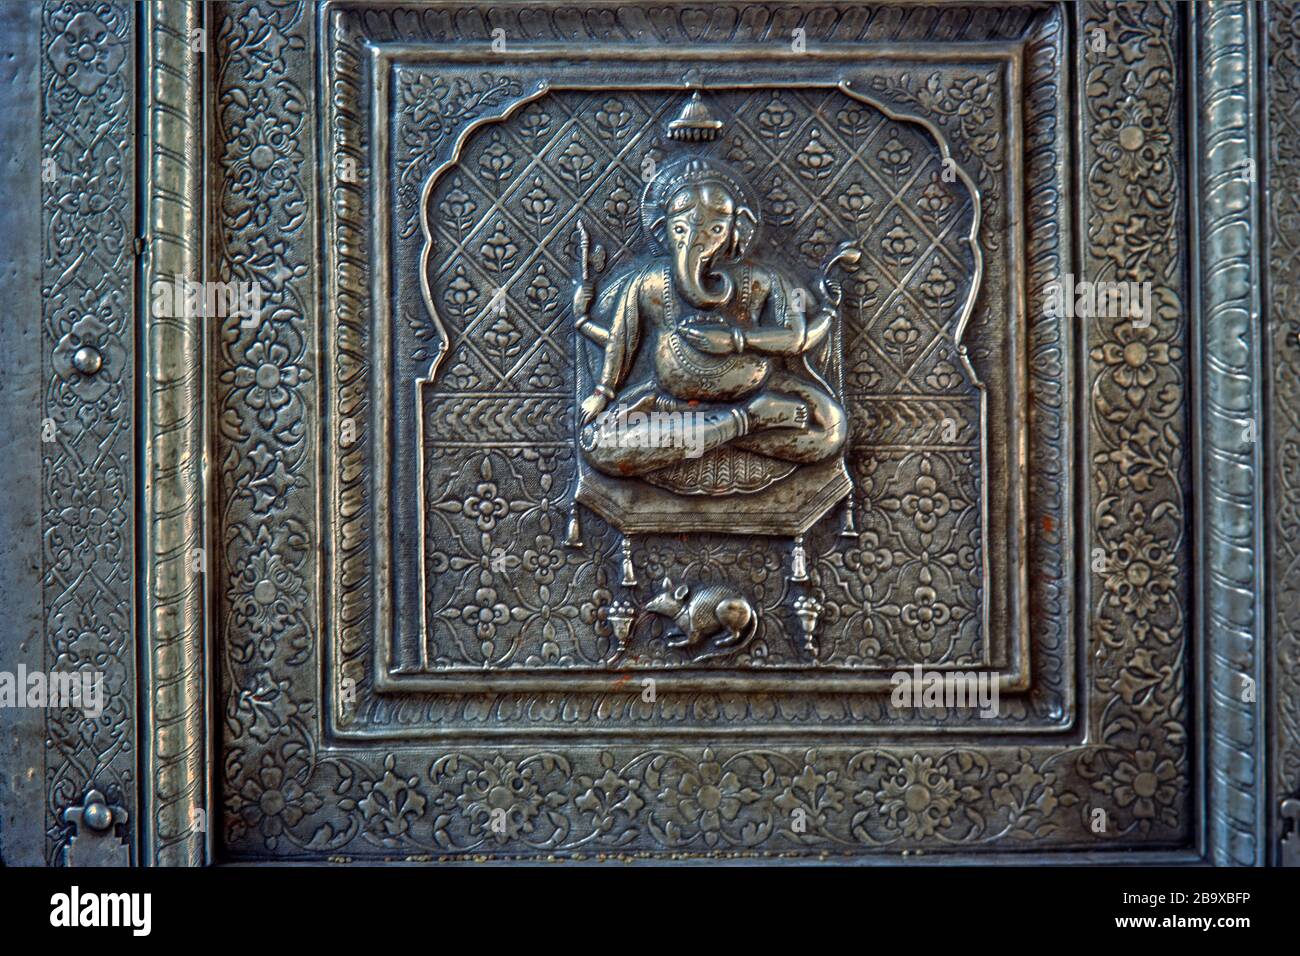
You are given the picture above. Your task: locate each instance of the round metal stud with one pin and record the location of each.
(87, 360)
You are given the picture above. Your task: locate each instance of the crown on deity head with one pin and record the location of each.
(695, 123)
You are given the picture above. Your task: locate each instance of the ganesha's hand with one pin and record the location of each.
(592, 406)
(582, 295)
(714, 339)
(834, 292)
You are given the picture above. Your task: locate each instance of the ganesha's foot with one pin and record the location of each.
(775, 410)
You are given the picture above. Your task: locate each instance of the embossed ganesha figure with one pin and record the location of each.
(704, 333)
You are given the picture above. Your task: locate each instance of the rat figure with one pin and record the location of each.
(713, 608)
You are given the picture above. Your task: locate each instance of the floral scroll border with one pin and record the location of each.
(87, 299)
(288, 796)
(345, 34)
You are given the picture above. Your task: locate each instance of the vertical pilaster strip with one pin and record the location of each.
(1231, 536)
(172, 441)
(1138, 503)
(1280, 54)
(88, 505)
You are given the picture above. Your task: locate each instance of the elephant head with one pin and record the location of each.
(706, 220)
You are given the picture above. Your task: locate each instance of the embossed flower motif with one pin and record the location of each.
(1144, 780)
(86, 53)
(863, 288)
(460, 294)
(496, 163)
(738, 156)
(486, 505)
(261, 158)
(264, 706)
(708, 796)
(855, 203)
(811, 794)
(90, 520)
(1140, 571)
(780, 206)
(458, 208)
(265, 594)
(757, 564)
(925, 614)
(853, 121)
(266, 379)
(484, 611)
(971, 96)
(390, 806)
(84, 197)
(612, 118)
(546, 375)
(864, 375)
(424, 96)
(1138, 456)
(271, 801)
(541, 292)
(919, 797)
(1133, 142)
(775, 119)
(1030, 796)
(499, 250)
(815, 160)
(605, 796)
(869, 559)
(1135, 359)
(900, 335)
(575, 163)
(899, 244)
(538, 203)
(944, 376)
(544, 560)
(818, 243)
(262, 44)
(90, 646)
(938, 288)
(535, 123)
(934, 200)
(896, 157)
(659, 562)
(926, 504)
(1133, 242)
(91, 333)
(619, 206)
(501, 800)
(595, 612)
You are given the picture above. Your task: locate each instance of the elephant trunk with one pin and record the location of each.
(691, 267)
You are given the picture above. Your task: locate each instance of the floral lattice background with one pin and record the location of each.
(503, 590)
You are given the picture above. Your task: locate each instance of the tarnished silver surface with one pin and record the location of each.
(88, 507)
(465, 602)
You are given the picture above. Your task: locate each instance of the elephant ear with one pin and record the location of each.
(743, 232)
(659, 231)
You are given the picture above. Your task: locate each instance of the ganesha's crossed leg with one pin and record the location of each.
(792, 420)
(820, 437)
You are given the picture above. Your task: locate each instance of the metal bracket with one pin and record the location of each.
(1290, 845)
(97, 841)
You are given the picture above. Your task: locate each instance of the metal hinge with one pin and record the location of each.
(1290, 846)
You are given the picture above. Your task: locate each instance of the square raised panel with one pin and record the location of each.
(811, 455)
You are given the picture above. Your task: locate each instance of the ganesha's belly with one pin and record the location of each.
(687, 373)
